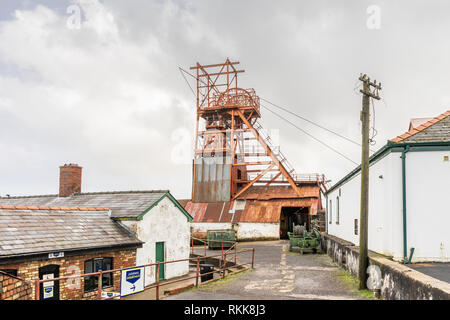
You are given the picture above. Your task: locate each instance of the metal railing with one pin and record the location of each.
(206, 244)
(158, 284)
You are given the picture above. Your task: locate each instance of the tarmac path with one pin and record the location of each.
(279, 274)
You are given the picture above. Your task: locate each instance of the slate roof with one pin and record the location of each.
(39, 230)
(123, 204)
(435, 130)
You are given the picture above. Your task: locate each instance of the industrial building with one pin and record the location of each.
(409, 178)
(241, 179)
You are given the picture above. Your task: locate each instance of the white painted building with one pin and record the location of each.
(408, 188)
(165, 225)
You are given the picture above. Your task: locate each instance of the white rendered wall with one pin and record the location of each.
(428, 211)
(163, 223)
(205, 226)
(258, 231)
(244, 230)
(428, 217)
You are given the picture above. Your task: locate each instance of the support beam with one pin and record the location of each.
(252, 182)
(273, 179)
(270, 154)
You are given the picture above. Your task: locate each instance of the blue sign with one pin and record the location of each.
(48, 292)
(132, 276)
(132, 281)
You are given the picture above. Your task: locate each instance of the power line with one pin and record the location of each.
(312, 122)
(311, 136)
(294, 125)
(181, 71)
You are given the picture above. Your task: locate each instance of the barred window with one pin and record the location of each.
(95, 265)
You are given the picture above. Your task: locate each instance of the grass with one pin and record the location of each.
(212, 286)
(352, 283)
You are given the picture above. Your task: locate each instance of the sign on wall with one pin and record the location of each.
(48, 286)
(132, 281)
(55, 255)
(110, 294)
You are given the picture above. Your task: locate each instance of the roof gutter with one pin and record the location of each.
(393, 147)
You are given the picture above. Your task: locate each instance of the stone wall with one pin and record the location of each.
(395, 281)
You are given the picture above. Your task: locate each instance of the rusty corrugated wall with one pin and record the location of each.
(212, 179)
(262, 204)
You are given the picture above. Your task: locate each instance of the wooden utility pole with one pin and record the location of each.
(364, 213)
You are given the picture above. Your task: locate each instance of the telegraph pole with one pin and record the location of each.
(364, 213)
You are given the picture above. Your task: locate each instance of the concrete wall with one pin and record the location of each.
(394, 280)
(428, 182)
(245, 231)
(163, 223)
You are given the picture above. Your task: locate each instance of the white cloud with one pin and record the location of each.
(109, 94)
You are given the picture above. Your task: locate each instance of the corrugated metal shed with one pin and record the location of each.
(280, 192)
(212, 179)
(262, 205)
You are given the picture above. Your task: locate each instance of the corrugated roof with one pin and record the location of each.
(436, 129)
(260, 211)
(121, 203)
(262, 204)
(280, 192)
(41, 230)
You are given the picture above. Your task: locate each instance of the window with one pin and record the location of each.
(11, 272)
(95, 265)
(330, 212)
(337, 210)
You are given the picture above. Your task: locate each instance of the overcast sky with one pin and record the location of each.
(107, 93)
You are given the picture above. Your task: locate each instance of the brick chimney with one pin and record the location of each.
(69, 179)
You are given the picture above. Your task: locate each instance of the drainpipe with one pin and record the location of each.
(405, 245)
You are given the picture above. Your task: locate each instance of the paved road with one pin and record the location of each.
(279, 274)
(436, 270)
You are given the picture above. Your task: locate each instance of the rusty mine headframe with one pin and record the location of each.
(232, 151)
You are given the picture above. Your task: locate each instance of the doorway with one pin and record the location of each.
(293, 215)
(49, 290)
(160, 257)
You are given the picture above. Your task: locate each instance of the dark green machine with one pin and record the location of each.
(219, 238)
(305, 241)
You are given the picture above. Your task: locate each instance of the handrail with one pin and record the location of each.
(157, 282)
(209, 241)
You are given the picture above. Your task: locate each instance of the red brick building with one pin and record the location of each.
(51, 242)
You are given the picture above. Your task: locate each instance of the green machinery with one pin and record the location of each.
(220, 238)
(305, 241)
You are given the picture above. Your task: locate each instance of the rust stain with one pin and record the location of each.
(280, 192)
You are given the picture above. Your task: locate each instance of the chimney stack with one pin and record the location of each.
(69, 179)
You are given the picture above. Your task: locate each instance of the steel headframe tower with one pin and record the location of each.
(232, 151)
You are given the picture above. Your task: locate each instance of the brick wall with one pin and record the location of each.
(13, 288)
(73, 289)
(69, 180)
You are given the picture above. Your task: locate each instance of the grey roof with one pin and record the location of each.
(25, 232)
(440, 131)
(128, 204)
